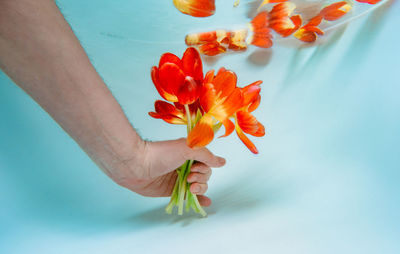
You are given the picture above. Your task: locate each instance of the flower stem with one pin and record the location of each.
(181, 191)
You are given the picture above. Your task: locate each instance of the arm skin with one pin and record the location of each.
(39, 51)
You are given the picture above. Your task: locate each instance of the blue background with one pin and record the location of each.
(326, 179)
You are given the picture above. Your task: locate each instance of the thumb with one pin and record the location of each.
(166, 156)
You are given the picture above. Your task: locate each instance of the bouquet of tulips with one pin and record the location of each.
(203, 103)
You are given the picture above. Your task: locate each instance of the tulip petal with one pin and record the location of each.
(247, 122)
(171, 77)
(157, 84)
(221, 70)
(308, 33)
(208, 97)
(200, 38)
(260, 132)
(261, 33)
(209, 77)
(189, 92)
(251, 92)
(167, 118)
(196, 8)
(280, 21)
(260, 21)
(262, 40)
(169, 58)
(254, 105)
(212, 49)
(315, 21)
(224, 83)
(202, 134)
(237, 40)
(264, 2)
(369, 1)
(335, 11)
(315, 29)
(246, 140)
(305, 36)
(192, 65)
(168, 113)
(229, 128)
(232, 103)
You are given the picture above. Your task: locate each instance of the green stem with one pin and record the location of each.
(182, 192)
(175, 193)
(182, 187)
(174, 196)
(198, 206)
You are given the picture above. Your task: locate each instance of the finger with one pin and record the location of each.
(166, 156)
(203, 155)
(198, 177)
(204, 201)
(198, 188)
(200, 168)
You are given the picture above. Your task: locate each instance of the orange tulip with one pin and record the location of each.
(179, 80)
(220, 99)
(245, 121)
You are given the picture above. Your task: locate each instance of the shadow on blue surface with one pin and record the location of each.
(246, 194)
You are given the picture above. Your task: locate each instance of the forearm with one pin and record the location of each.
(39, 51)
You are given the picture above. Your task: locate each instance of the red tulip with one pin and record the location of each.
(179, 80)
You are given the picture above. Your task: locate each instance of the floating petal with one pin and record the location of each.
(196, 8)
(335, 11)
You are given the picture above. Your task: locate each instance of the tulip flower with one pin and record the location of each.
(203, 104)
(245, 121)
(179, 80)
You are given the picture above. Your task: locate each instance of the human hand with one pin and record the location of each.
(154, 172)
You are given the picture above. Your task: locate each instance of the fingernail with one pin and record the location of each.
(221, 161)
